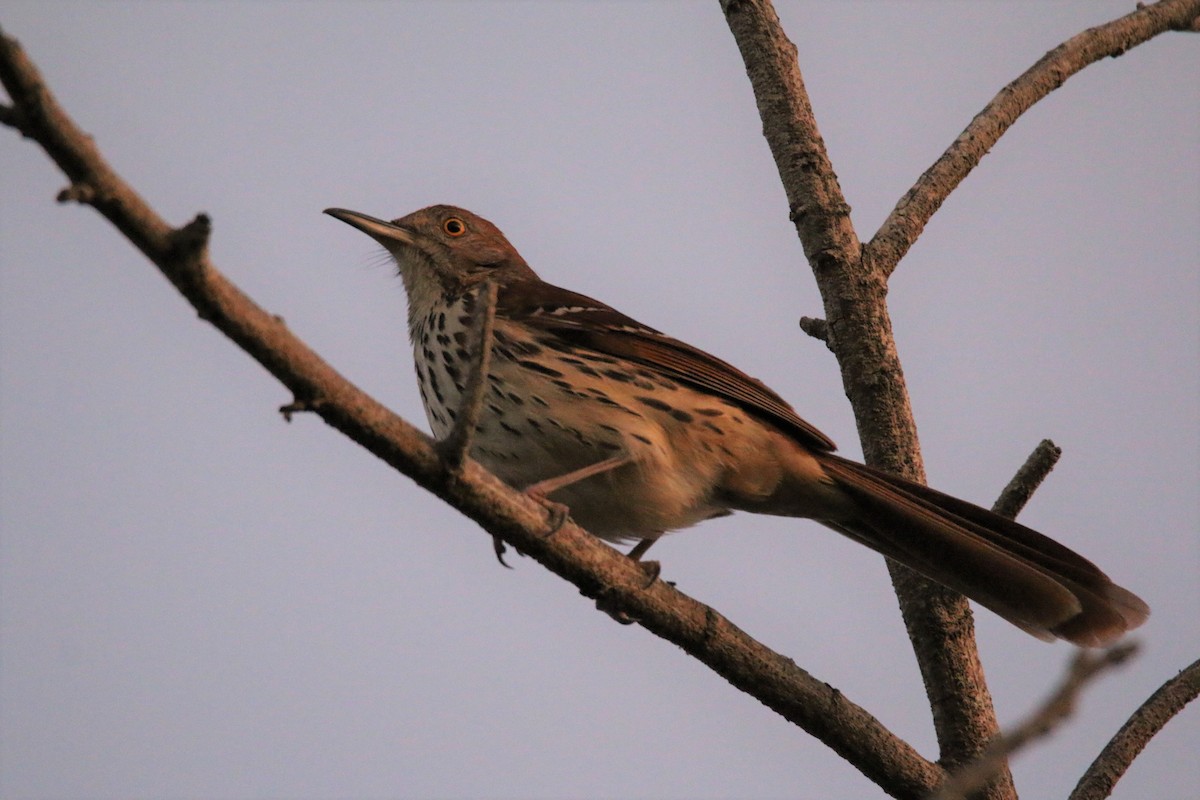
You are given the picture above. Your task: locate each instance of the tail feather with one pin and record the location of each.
(1029, 579)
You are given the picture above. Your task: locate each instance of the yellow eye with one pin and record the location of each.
(454, 227)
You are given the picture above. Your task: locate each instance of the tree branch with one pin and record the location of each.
(596, 569)
(908, 219)
(1028, 478)
(859, 331)
(852, 280)
(1103, 774)
(816, 328)
(12, 118)
(1084, 668)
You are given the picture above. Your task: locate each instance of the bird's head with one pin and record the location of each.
(442, 251)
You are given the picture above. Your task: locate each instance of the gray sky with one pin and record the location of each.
(199, 600)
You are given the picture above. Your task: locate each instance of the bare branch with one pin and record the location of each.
(1103, 774)
(570, 552)
(859, 331)
(12, 118)
(815, 201)
(1028, 478)
(992, 763)
(852, 280)
(1084, 668)
(908, 219)
(816, 328)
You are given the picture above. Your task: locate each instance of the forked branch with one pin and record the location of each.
(857, 327)
(570, 553)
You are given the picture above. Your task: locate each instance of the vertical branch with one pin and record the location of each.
(859, 331)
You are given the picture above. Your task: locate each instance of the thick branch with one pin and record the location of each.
(596, 569)
(859, 331)
(852, 281)
(1103, 774)
(902, 227)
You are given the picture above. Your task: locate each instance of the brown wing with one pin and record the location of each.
(584, 322)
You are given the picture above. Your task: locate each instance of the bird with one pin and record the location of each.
(639, 434)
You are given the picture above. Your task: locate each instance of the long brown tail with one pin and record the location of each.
(1029, 579)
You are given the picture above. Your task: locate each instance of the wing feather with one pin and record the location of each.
(584, 322)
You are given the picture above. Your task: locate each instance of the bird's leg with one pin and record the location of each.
(543, 488)
(559, 512)
(457, 443)
(539, 490)
(652, 570)
(641, 547)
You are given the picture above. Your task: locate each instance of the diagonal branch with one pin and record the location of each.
(1028, 478)
(12, 118)
(1085, 667)
(1103, 774)
(902, 227)
(570, 552)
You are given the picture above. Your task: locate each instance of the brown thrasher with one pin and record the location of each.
(639, 434)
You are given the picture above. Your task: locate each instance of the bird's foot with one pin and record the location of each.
(559, 513)
(606, 604)
(652, 569)
(500, 549)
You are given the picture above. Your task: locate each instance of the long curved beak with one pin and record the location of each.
(386, 233)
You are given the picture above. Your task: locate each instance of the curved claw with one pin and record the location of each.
(652, 569)
(606, 605)
(500, 548)
(559, 513)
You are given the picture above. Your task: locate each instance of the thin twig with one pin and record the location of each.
(11, 117)
(992, 762)
(1171, 698)
(1085, 667)
(455, 446)
(908, 219)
